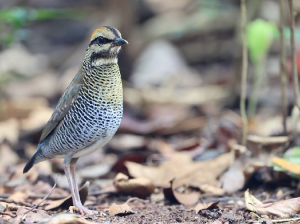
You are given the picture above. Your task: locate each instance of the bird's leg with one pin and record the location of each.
(72, 169)
(76, 191)
(73, 186)
(67, 170)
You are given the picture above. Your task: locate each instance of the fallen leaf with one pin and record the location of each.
(163, 174)
(268, 140)
(32, 216)
(202, 206)
(185, 171)
(66, 218)
(36, 119)
(186, 196)
(94, 171)
(67, 202)
(120, 210)
(124, 142)
(250, 200)
(7, 156)
(18, 196)
(189, 198)
(281, 209)
(140, 187)
(210, 189)
(9, 130)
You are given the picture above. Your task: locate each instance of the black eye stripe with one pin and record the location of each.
(100, 41)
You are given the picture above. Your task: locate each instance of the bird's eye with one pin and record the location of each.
(100, 41)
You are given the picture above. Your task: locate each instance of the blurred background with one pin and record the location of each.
(181, 76)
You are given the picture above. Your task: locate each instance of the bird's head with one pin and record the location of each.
(105, 45)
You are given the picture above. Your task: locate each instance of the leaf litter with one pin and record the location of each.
(178, 145)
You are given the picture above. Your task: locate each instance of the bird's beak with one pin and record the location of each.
(120, 42)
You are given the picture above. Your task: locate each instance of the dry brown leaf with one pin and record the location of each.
(32, 217)
(268, 140)
(185, 171)
(181, 194)
(189, 198)
(67, 218)
(18, 196)
(186, 96)
(121, 210)
(202, 206)
(67, 202)
(7, 156)
(210, 189)
(281, 209)
(162, 175)
(36, 119)
(140, 187)
(9, 130)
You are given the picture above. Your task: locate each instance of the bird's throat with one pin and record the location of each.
(104, 61)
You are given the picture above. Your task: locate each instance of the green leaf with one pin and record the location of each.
(260, 35)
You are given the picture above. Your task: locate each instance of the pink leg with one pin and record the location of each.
(76, 191)
(73, 186)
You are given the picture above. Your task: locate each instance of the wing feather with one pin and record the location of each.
(64, 104)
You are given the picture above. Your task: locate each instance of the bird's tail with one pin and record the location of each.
(30, 163)
(37, 157)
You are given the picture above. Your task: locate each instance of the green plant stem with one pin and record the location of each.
(258, 76)
(284, 103)
(244, 72)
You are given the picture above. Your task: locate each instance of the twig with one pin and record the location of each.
(284, 103)
(7, 213)
(138, 199)
(285, 220)
(38, 204)
(295, 74)
(15, 202)
(244, 73)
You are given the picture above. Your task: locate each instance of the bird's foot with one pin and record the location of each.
(84, 211)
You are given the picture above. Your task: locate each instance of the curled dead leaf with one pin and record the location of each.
(140, 187)
(202, 206)
(186, 196)
(121, 210)
(281, 209)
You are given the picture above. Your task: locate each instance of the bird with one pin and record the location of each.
(89, 112)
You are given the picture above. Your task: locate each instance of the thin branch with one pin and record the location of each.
(38, 204)
(244, 73)
(295, 73)
(283, 77)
